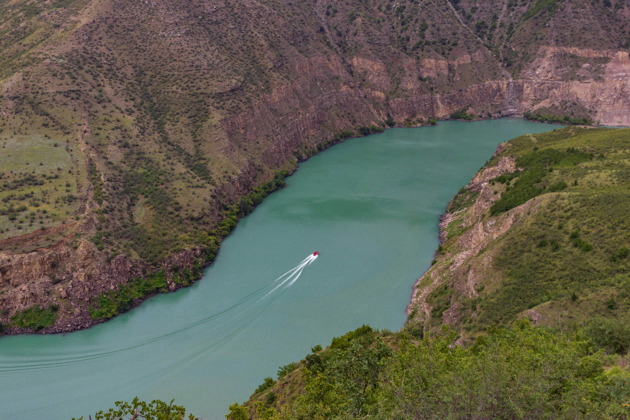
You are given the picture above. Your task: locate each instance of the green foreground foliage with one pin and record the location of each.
(155, 410)
(516, 372)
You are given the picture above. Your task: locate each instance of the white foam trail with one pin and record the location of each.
(306, 260)
(244, 308)
(297, 276)
(291, 276)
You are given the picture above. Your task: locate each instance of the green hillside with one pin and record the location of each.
(523, 313)
(517, 372)
(548, 241)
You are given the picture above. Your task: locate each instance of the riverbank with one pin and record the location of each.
(370, 206)
(513, 241)
(131, 282)
(181, 270)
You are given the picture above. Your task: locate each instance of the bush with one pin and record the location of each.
(558, 186)
(286, 369)
(461, 114)
(623, 253)
(344, 340)
(271, 398)
(35, 318)
(367, 130)
(313, 362)
(612, 335)
(156, 409)
(267, 383)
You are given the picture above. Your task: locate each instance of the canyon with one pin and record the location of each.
(169, 113)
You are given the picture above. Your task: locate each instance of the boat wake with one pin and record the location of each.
(224, 324)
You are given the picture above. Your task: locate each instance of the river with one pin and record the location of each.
(370, 206)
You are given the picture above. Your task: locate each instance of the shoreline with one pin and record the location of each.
(194, 256)
(84, 320)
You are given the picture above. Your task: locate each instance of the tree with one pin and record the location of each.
(237, 412)
(347, 383)
(155, 410)
(357, 370)
(610, 334)
(521, 372)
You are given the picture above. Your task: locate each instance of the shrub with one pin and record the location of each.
(267, 383)
(313, 362)
(612, 335)
(271, 398)
(530, 182)
(286, 369)
(461, 114)
(35, 318)
(367, 130)
(624, 252)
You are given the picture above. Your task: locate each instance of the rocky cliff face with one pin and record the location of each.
(171, 111)
(596, 80)
(454, 267)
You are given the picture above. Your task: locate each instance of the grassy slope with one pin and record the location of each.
(42, 170)
(565, 259)
(42, 178)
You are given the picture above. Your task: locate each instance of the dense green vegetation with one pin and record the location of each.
(461, 114)
(35, 318)
(367, 130)
(155, 410)
(518, 372)
(533, 179)
(112, 303)
(558, 119)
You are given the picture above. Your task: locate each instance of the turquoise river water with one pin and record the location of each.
(370, 206)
